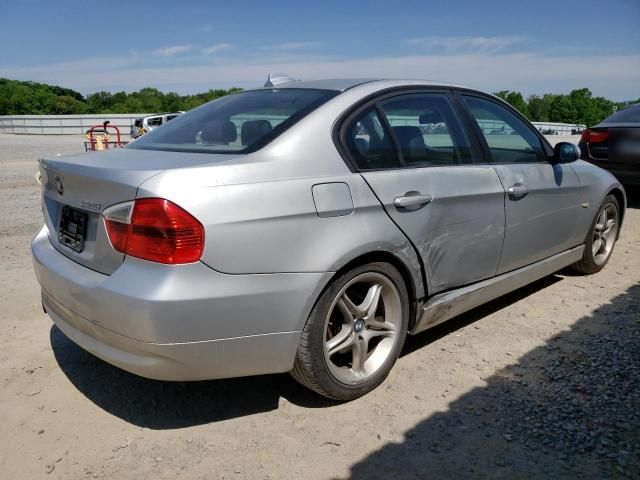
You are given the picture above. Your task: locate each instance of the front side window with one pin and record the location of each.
(426, 130)
(235, 123)
(510, 140)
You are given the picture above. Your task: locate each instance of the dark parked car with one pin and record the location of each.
(614, 144)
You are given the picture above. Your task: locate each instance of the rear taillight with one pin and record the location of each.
(154, 229)
(594, 136)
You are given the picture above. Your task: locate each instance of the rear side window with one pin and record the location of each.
(426, 130)
(154, 121)
(235, 123)
(369, 142)
(509, 139)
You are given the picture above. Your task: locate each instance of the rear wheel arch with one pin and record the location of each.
(413, 287)
(366, 367)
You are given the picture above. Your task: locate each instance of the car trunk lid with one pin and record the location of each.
(76, 190)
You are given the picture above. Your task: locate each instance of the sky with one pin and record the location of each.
(188, 46)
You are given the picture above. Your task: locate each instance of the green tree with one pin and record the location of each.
(515, 99)
(502, 94)
(99, 102)
(562, 110)
(540, 107)
(173, 102)
(65, 105)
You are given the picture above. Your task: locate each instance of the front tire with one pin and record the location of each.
(601, 238)
(354, 334)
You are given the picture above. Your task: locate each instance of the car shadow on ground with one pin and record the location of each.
(568, 409)
(167, 405)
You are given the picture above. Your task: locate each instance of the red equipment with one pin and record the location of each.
(99, 137)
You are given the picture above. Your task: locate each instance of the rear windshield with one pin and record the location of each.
(241, 122)
(629, 114)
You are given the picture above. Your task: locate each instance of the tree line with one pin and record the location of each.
(31, 98)
(579, 106)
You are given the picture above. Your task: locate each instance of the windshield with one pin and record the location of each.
(629, 114)
(241, 122)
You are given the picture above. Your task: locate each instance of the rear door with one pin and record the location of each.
(542, 201)
(415, 156)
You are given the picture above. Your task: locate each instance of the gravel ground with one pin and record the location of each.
(543, 383)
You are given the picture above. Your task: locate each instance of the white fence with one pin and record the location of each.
(556, 128)
(64, 124)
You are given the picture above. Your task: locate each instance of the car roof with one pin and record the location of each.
(342, 84)
(614, 119)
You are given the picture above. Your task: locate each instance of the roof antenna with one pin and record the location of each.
(274, 79)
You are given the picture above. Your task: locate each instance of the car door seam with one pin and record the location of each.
(423, 269)
(504, 216)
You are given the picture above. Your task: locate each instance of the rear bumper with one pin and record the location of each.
(209, 359)
(185, 322)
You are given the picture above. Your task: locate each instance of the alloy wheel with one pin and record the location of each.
(604, 233)
(362, 327)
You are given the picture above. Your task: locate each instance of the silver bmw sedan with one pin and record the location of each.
(308, 227)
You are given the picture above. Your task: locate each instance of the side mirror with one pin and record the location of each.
(565, 152)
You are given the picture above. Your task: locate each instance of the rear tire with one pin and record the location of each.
(601, 238)
(355, 333)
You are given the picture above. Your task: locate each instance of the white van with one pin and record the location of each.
(143, 125)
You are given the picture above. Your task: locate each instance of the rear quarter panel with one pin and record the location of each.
(273, 227)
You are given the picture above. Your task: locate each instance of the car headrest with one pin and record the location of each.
(252, 130)
(408, 135)
(361, 144)
(219, 132)
(411, 141)
(433, 116)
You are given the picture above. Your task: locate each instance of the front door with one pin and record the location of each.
(542, 202)
(416, 158)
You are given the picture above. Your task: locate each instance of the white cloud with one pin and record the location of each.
(292, 46)
(207, 28)
(218, 47)
(612, 76)
(466, 44)
(173, 50)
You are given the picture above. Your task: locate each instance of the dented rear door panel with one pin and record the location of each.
(460, 232)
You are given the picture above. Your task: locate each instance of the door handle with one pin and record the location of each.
(412, 200)
(517, 191)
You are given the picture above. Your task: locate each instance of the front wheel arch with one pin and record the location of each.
(622, 204)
